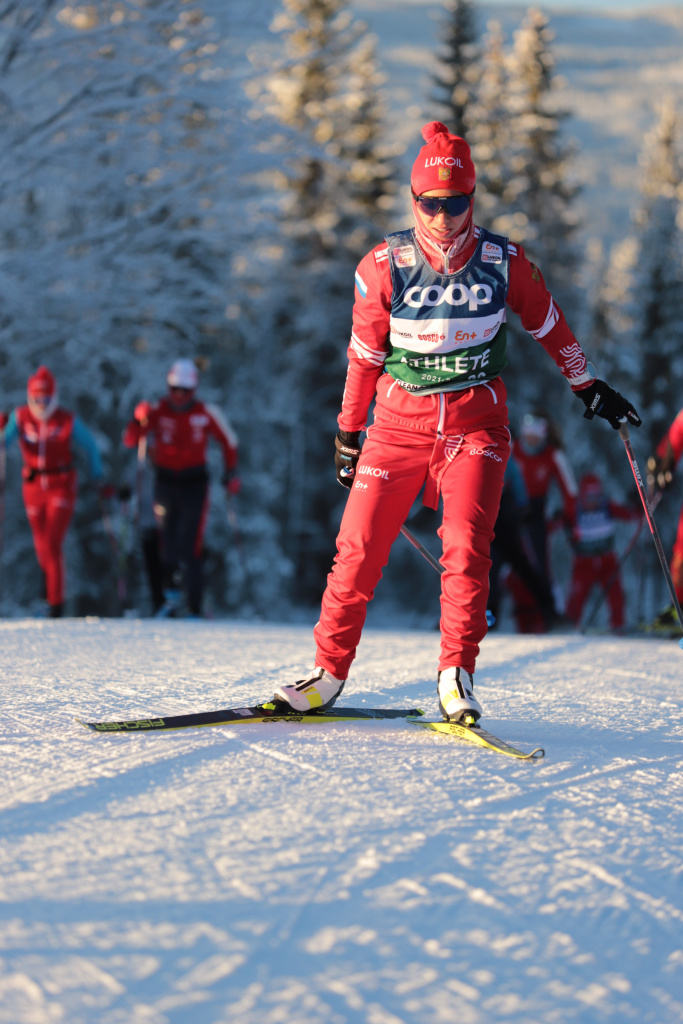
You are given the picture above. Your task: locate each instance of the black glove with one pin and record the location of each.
(602, 400)
(660, 470)
(346, 455)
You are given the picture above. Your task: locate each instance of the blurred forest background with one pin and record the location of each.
(200, 179)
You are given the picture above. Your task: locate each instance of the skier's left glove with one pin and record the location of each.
(660, 470)
(4, 420)
(232, 482)
(105, 491)
(346, 455)
(602, 400)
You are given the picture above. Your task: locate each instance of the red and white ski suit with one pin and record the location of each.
(673, 442)
(595, 563)
(455, 442)
(49, 484)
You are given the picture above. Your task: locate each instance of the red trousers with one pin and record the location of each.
(459, 460)
(49, 506)
(589, 571)
(677, 560)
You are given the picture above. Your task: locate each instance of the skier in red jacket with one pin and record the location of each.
(595, 563)
(661, 468)
(46, 434)
(428, 344)
(181, 426)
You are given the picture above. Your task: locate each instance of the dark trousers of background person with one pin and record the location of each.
(180, 507)
(151, 550)
(508, 549)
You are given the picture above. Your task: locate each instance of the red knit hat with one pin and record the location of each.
(445, 162)
(41, 383)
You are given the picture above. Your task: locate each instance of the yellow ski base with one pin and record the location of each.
(480, 738)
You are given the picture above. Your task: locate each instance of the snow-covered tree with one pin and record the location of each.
(657, 289)
(534, 206)
(489, 131)
(321, 104)
(120, 179)
(458, 73)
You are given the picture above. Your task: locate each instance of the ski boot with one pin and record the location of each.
(666, 623)
(317, 692)
(457, 702)
(171, 605)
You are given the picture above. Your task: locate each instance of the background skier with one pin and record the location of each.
(428, 344)
(46, 433)
(661, 469)
(538, 450)
(182, 426)
(595, 563)
(508, 548)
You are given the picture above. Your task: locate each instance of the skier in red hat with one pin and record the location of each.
(46, 433)
(595, 563)
(428, 346)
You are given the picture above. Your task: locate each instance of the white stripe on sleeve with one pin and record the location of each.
(551, 319)
(364, 351)
(223, 425)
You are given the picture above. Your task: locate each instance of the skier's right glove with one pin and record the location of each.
(660, 470)
(347, 454)
(4, 420)
(142, 411)
(602, 400)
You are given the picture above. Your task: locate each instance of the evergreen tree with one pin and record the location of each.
(535, 204)
(657, 290)
(457, 77)
(489, 133)
(118, 178)
(336, 187)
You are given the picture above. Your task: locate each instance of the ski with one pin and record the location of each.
(261, 713)
(480, 738)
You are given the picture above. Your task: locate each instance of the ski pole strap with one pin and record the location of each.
(626, 438)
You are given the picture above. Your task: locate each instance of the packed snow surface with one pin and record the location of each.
(365, 872)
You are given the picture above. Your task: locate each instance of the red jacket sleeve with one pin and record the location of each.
(369, 345)
(220, 429)
(529, 297)
(134, 430)
(673, 439)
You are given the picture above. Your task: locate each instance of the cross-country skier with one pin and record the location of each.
(661, 468)
(538, 450)
(46, 433)
(182, 426)
(428, 344)
(508, 548)
(595, 563)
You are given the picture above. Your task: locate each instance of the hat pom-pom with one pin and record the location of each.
(432, 129)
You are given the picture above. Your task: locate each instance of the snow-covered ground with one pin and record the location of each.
(372, 872)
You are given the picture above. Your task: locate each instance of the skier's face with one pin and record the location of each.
(441, 224)
(180, 397)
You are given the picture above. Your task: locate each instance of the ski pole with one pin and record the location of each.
(237, 534)
(422, 549)
(625, 437)
(115, 549)
(140, 479)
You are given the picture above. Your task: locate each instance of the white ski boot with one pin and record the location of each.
(457, 702)
(317, 692)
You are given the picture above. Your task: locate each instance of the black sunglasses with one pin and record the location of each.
(453, 205)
